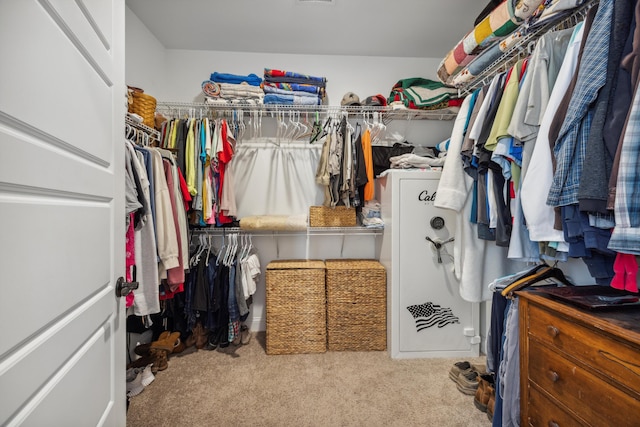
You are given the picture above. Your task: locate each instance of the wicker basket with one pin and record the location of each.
(296, 307)
(356, 305)
(340, 216)
(144, 105)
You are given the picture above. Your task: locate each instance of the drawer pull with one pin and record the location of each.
(553, 424)
(553, 376)
(553, 331)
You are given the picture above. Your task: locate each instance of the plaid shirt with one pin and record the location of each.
(626, 234)
(570, 146)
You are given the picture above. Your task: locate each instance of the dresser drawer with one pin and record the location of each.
(546, 413)
(610, 357)
(579, 390)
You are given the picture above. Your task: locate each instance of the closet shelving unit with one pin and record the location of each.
(309, 233)
(151, 132)
(386, 113)
(525, 46)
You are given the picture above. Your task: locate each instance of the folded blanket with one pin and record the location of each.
(421, 93)
(232, 102)
(274, 222)
(293, 87)
(269, 89)
(273, 98)
(228, 90)
(251, 79)
(498, 24)
(271, 73)
(481, 62)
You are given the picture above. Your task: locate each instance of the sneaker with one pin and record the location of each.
(135, 387)
(245, 334)
(457, 368)
(467, 382)
(147, 376)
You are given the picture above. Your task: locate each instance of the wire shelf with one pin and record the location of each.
(387, 113)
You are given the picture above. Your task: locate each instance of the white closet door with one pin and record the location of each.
(62, 356)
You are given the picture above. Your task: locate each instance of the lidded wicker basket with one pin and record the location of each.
(296, 307)
(143, 105)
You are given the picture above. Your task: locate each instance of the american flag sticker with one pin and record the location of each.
(429, 314)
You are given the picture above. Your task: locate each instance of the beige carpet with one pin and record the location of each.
(243, 386)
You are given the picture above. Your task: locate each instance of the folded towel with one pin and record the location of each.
(251, 79)
(210, 88)
(272, 98)
(274, 222)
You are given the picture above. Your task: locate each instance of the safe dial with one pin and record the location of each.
(437, 222)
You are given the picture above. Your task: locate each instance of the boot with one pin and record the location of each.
(160, 361)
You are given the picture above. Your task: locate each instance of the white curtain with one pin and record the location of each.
(276, 179)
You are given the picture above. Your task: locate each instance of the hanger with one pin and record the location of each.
(538, 275)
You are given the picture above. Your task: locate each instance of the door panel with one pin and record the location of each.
(41, 62)
(62, 103)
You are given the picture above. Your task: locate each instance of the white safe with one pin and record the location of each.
(426, 317)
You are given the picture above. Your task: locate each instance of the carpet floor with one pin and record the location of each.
(243, 386)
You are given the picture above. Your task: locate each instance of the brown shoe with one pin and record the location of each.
(160, 362)
(492, 401)
(168, 343)
(142, 362)
(485, 386)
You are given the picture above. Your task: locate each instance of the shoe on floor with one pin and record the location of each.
(245, 335)
(485, 387)
(457, 368)
(147, 375)
(467, 382)
(160, 362)
(135, 387)
(491, 403)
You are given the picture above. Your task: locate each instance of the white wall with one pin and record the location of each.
(144, 57)
(365, 76)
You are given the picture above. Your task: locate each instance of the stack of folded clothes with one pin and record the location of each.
(289, 88)
(370, 215)
(423, 94)
(223, 88)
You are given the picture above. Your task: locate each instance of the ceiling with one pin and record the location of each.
(398, 28)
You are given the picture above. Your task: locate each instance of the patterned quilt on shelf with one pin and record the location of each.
(501, 22)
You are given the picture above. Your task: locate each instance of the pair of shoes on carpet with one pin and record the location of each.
(243, 337)
(138, 379)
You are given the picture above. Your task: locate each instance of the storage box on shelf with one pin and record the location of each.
(339, 216)
(295, 307)
(356, 305)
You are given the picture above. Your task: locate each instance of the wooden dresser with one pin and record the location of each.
(578, 367)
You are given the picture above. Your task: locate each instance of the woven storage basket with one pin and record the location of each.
(356, 305)
(340, 216)
(143, 105)
(296, 307)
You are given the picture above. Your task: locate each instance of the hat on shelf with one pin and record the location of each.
(350, 98)
(376, 100)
